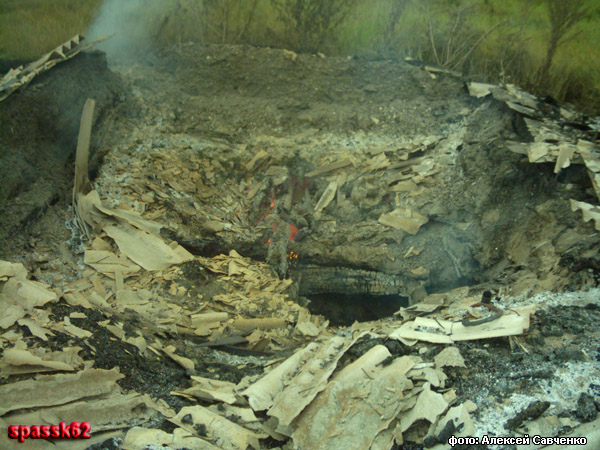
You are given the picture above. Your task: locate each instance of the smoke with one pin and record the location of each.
(132, 25)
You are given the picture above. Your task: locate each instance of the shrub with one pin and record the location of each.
(310, 24)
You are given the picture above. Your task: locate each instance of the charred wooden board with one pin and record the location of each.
(313, 279)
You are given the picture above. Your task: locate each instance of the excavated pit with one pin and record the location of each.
(349, 187)
(348, 194)
(345, 309)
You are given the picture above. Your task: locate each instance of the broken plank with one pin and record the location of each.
(330, 168)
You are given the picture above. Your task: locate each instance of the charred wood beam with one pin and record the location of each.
(277, 252)
(310, 278)
(313, 279)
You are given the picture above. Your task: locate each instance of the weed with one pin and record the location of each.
(310, 24)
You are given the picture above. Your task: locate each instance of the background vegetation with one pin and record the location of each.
(547, 46)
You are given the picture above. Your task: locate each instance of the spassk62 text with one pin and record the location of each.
(74, 430)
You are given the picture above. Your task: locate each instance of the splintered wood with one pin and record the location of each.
(366, 404)
(21, 76)
(135, 236)
(551, 142)
(404, 219)
(447, 332)
(589, 212)
(109, 411)
(343, 207)
(89, 393)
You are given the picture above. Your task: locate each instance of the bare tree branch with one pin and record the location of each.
(563, 15)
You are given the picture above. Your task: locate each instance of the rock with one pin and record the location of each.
(586, 408)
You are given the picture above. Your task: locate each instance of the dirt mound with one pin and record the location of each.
(38, 135)
(235, 90)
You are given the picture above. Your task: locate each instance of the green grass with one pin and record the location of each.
(513, 52)
(30, 28)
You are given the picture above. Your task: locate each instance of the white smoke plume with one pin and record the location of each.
(132, 24)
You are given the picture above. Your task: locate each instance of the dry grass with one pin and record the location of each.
(426, 29)
(30, 28)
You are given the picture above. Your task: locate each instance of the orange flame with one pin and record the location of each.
(293, 231)
(293, 228)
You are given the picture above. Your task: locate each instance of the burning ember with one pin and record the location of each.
(293, 231)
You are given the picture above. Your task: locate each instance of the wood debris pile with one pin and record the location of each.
(269, 207)
(136, 237)
(310, 397)
(556, 138)
(370, 403)
(457, 316)
(400, 210)
(49, 399)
